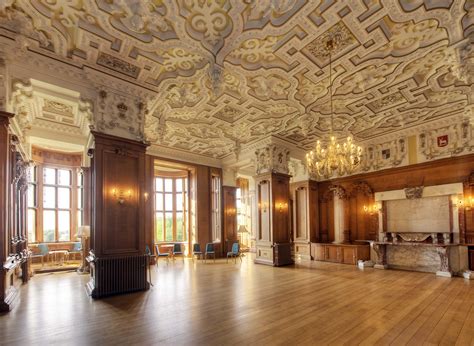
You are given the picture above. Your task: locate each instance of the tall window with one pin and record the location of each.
(55, 203)
(32, 205)
(216, 207)
(240, 207)
(80, 199)
(171, 209)
(57, 186)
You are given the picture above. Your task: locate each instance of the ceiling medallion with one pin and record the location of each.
(216, 77)
(333, 157)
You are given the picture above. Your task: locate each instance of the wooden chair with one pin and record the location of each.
(177, 251)
(210, 251)
(197, 251)
(161, 254)
(234, 253)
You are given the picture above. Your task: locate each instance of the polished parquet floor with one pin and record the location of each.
(219, 303)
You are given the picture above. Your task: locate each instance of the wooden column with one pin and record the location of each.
(117, 257)
(305, 217)
(229, 206)
(273, 227)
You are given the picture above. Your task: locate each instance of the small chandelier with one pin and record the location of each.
(333, 157)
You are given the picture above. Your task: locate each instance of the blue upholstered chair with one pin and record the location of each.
(210, 251)
(234, 253)
(76, 249)
(197, 251)
(43, 252)
(177, 251)
(161, 254)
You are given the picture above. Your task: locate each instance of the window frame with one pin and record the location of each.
(216, 207)
(175, 178)
(73, 209)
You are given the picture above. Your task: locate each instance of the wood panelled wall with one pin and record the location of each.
(118, 221)
(200, 190)
(13, 230)
(229, 207)
(358, 190)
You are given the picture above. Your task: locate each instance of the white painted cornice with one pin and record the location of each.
(179, 155)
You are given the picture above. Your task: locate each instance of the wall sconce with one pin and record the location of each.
(281, 206)
(465, 202)
(231, 211)
(263, 206)
(145, 195)
(372, 209)
(121, 195)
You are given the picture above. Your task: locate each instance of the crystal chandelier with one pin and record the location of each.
(333, 157)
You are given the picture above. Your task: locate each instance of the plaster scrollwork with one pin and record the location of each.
(272, 159)
(207, 21)
(155, 126)
(271, 87)
(22, 104)
(396, 68)
(141, 17)
(465, 70)
(3, 85)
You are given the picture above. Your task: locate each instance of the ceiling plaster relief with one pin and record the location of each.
(402, 65)
(3, 85)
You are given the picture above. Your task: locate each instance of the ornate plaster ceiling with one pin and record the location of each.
(400, 63)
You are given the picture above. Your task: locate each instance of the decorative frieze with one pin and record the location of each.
(384, 154)
(120, 115)
(272, 159)
(446, 141)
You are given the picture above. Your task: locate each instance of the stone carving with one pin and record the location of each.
(381, 251)
(272, 159)
(411, 237)
(443, 252)
(414, 192)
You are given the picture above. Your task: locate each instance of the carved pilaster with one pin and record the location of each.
(381, 251)
(445, 266)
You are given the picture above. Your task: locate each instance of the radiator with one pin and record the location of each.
(115, 275)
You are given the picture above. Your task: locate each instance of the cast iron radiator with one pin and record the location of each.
(115, 275)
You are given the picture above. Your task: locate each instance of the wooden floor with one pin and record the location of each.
(218, 303)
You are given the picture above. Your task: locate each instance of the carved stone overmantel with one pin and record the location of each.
(272, 159)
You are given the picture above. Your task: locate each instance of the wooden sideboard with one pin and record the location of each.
(340, 253)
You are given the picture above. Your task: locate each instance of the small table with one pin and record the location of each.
(59, 256)
(168, 248)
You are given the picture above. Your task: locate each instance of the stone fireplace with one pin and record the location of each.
(419, 230)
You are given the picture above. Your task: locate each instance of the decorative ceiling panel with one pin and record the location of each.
(397, 64)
